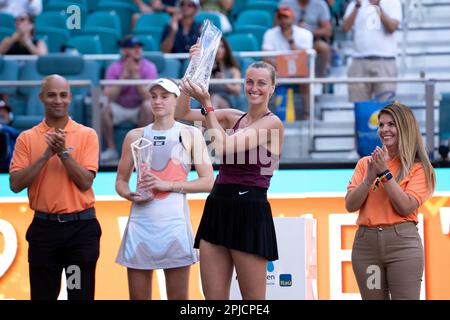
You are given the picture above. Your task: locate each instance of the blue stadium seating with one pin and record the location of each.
(72, 67)
(243, 42)
(254, 17)
(7, 21)
(9, 70)
(211, 16)
(123, 9)
(152, 24)
(148, 42)
(55, 19)
(106, 25)
(266, 5)
(257, 31)
(54, 38)
(5, 32)
(86, 44)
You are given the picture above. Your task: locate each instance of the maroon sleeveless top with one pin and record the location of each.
(250, 168)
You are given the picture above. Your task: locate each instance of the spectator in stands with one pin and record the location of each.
(375, 48)
(22, 42)
(18, 8)
(314, 15)
(126, 103)
(8, 135)
(151, 6)
(183, 31)
(222, 8)
(225, 67)
(288, 36)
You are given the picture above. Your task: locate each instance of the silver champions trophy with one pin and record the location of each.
(142, 150)
(200, 66)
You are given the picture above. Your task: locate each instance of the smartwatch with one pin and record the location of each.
(206, 110)
(63, 155)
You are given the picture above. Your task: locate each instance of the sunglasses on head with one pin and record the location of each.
(187, 4)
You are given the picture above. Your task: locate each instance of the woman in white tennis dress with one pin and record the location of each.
(159, 233)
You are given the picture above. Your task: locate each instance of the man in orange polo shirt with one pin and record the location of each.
(57, 161)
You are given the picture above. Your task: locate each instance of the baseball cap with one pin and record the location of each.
(285, 11)
(129, 41)
(196, 2)
(167, 84)
(4, 105)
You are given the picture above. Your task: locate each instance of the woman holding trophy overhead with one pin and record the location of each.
(159, 234)
(237, 228)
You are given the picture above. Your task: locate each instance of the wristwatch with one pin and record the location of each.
(291, 41)
(206, 110)
(63, 155)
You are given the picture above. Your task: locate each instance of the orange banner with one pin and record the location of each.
(111, 277)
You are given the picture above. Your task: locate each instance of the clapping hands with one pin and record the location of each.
(380, 156)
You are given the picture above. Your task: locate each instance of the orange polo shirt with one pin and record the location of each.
(52, 190)
(377, 209)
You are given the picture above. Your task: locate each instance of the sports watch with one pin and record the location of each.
(63, 154)
(206, 110)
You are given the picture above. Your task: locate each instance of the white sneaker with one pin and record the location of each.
(109, 154)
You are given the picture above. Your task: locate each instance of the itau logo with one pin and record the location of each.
(270, 266)
(373, 120)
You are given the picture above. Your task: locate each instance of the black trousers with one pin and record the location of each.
(54, 246)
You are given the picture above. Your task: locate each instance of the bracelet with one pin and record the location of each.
(385, 176)
(379, 175)
(180, 187)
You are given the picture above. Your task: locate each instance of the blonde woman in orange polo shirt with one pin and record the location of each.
(387, 188)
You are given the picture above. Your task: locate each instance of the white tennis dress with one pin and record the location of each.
(159, 233)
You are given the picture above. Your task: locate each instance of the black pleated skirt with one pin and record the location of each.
(240, 218)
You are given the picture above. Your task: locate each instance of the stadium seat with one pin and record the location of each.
(54, 19)
(62, 5)
(106, 25)
(86, 44)
(148, 42)
(7, 21)
(211, 16)
(152, 24)
(243, 42)
(55, 38)
(254, 17)
(238, 6)
(268, 6)
(123, 9)
(167, 67)
(5, 32)
(257, 31)
(72, 67)
(9, 70)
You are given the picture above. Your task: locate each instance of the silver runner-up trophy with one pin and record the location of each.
(142, 150)
(200, 66)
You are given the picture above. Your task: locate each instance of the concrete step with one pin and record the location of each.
(435, 33)
(344, 116)
(342, 144)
